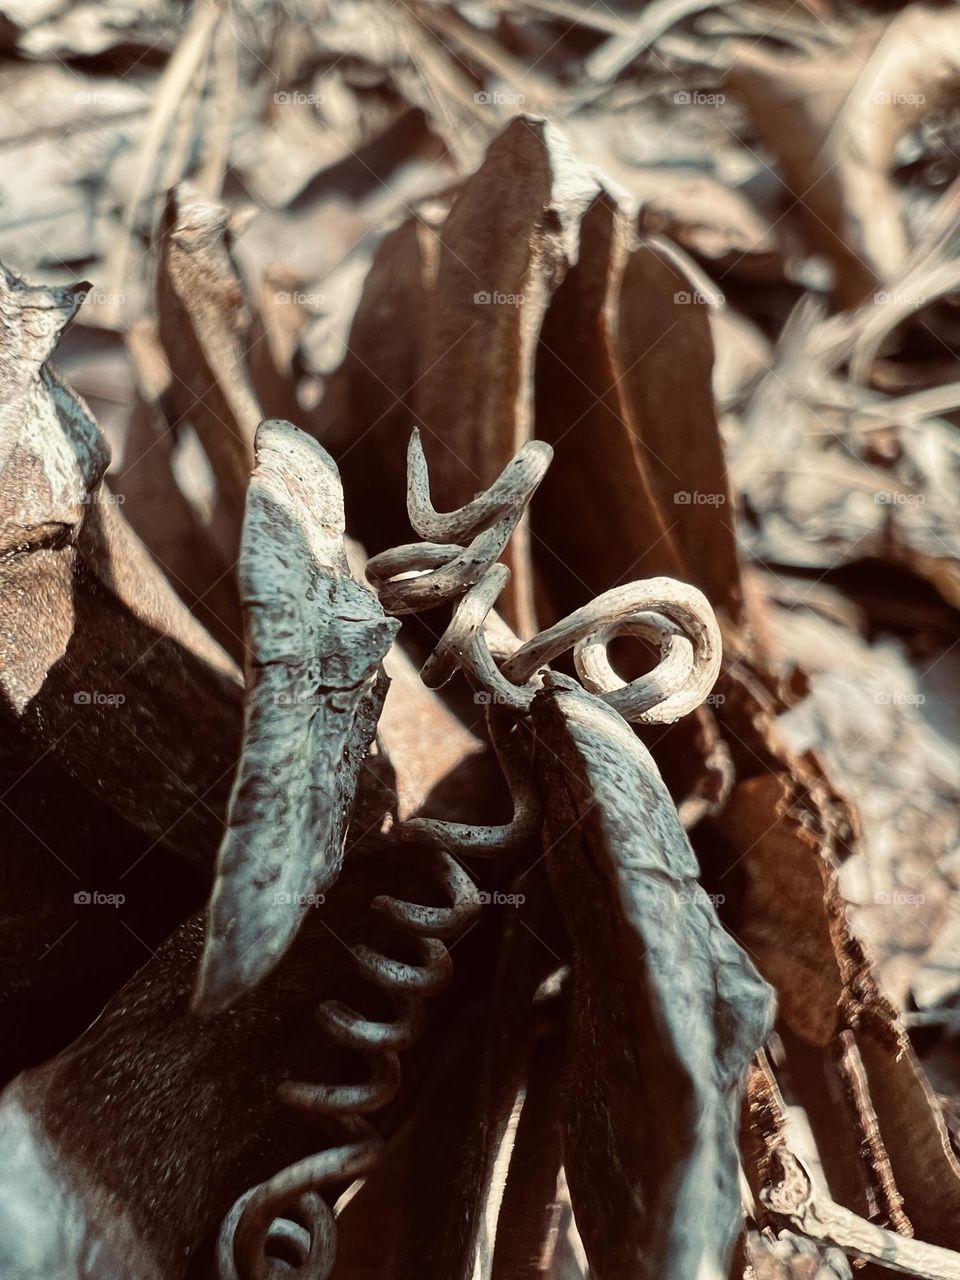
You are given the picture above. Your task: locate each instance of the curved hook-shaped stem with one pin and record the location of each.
(485, 841)
(511, 491)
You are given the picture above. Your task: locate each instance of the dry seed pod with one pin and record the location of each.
(666, 1009)
(316, 640)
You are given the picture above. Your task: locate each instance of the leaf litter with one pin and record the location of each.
(705, 255)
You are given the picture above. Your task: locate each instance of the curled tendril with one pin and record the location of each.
(506, 499)
(284, 1227)
(470, 841)
(423, 575)
(671, 614)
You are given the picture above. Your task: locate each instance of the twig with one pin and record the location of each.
(168, 100)
(792, 1197)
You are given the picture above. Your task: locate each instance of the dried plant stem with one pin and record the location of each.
(793, 1198)
(423, 575)
(172, 89)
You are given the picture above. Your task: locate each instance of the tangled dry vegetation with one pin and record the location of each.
(478, 625)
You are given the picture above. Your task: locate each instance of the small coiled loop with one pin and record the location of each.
(672, 613)
(283, 1228)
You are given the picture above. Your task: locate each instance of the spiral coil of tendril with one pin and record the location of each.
(286, 1217)
(462, 569)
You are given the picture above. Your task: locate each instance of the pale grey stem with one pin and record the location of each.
(511, 490)
(523, 826)
(793, 1197)
(672, 614)
(678, 603)
(464, 646)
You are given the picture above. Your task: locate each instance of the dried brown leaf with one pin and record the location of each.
(105, 666)
(505, 246)
(204, 325)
